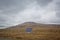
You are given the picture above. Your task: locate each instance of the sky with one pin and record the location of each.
(14, 12)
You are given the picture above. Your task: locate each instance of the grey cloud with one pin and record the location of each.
(8, 5)
(44, 2)
(13, 12)
(9, 10)
(58, 9)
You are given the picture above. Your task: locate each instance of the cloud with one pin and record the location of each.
(35, 13)
(9, 10)
(13, 12)
(44, 3)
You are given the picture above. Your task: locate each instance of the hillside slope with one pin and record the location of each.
(39, 32)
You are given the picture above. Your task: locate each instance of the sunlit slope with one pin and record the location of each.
(39, 32)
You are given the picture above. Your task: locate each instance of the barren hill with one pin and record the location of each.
(39, 31)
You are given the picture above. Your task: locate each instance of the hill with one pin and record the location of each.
(39, 32)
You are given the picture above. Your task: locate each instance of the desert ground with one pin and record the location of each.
(39, 32)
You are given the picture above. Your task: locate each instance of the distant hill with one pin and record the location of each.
(33, 24)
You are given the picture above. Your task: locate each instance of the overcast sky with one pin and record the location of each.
(13, 12)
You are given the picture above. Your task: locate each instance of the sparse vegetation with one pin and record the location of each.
(38, 32)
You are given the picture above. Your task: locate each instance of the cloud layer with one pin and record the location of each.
(13, 12)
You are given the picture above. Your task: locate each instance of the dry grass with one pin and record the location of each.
(36, 34)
